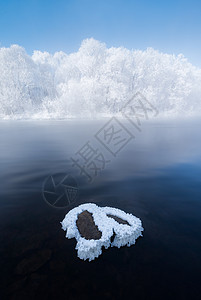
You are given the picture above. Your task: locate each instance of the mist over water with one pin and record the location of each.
(95, 81)
(155, 177)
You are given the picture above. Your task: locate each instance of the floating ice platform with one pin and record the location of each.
(95, 227)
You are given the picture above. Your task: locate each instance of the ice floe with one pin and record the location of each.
(95, 227)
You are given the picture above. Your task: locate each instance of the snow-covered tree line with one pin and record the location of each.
(94, 81)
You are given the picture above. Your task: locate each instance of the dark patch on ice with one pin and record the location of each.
(86, 226)
(112, 237)
(119, 220)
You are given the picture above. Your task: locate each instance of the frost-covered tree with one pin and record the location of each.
(95, 81)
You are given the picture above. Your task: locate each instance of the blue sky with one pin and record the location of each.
(169, 26)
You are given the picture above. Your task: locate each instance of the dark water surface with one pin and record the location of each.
(156, 177)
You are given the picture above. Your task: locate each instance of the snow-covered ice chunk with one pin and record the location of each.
(95, 227)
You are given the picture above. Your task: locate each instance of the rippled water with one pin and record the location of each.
(156, 176)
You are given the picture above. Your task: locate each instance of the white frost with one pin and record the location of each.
(124, 234)
(95, 81)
